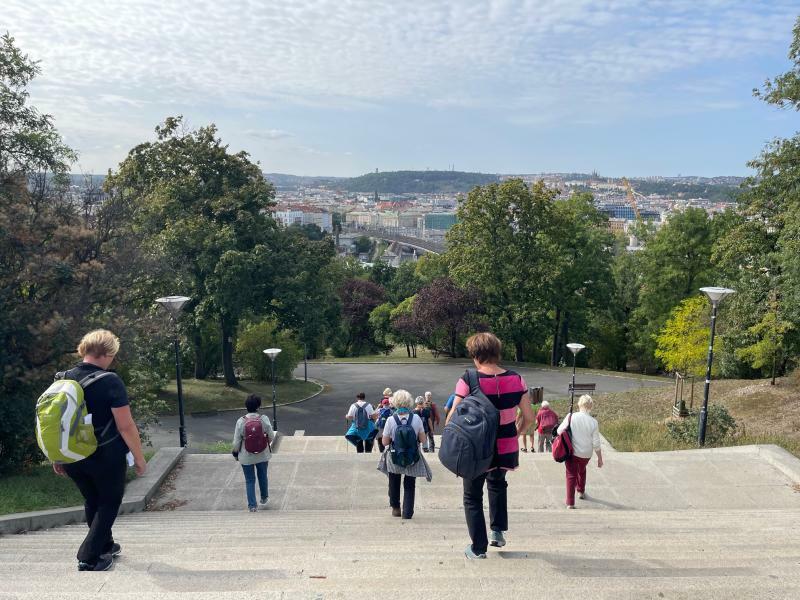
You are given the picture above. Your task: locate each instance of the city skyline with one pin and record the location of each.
(340, 89)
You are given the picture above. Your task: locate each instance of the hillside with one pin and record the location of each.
(418, 182)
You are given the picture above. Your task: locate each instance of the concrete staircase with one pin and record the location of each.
(711, 524)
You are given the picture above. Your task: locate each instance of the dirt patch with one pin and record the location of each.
(161, 501)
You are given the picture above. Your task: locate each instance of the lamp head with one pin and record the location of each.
(716, 294)
(272, 352)
(575, 348)
(173, 304)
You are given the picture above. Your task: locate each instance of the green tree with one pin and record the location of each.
(250, 345)
(203, 211)
(381, 323)
(682, 344)
(767, 336)
(674, 265)
(502, 245)
(583, 280)
(404, 327)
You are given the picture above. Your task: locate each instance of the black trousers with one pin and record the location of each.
(379, 437)
(473, 507)
(409, 491)
(365, 445)
(101, 480)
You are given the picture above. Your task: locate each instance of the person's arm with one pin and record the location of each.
(350, 413)
(130, 433)
(563, 425)
(596, 445)
(387, 432)
(527, 413)
(452, 411)
(271, 434)
(421, 436)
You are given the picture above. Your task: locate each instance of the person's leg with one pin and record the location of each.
(360, 446)
(108, 475)
(498, 500)
(548, 439)
(409, 490)
(540, 442)
(394, 490)
(381, 447)
(580, 479)
(431, 441)
(263, 482)
(572, 472)
(250, 484)
(524, 447)
(473, 511)
(86, 487)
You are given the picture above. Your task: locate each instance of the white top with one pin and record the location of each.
(585, 433)
(391, 425)
(352, 412)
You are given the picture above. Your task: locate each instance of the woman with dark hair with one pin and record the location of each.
(507, 391)
(252, 447)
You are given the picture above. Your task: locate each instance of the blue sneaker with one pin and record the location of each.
(471, 555)
(497, 540)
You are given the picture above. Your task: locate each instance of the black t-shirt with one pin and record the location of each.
(100, 397)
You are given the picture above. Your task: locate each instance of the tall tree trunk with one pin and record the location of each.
(408, 350)
(228, 329)
(519, 351)
(200, 366)
(774, 365)
(555, 354)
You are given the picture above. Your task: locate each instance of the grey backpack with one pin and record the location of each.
(469, 438)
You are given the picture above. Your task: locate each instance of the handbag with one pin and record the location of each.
(562, 443)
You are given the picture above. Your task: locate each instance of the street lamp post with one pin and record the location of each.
(173, 305)
(575, 348)
(273, 354)
(715, 295)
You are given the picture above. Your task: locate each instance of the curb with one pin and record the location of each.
(780, 458)
(137, 493)
(231, 410)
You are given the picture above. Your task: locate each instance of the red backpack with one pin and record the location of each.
(562, 443)
(255, 438)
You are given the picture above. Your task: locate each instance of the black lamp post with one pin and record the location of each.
(173, 305)
(273, 354)
(575, 348)
(716, 295)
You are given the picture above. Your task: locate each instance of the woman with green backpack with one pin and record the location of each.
(402, 435)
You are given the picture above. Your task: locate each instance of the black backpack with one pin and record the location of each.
(469, 439)
(405, 446)
(362, 419)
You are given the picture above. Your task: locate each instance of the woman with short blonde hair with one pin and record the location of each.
(404, 416)
(100, 477)
(99, 343)
(585, 435)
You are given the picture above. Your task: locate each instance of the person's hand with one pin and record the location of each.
(59, 470)
(140, 466)
(600, 462)
(235, 454)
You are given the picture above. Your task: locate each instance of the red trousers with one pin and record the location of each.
(576, 477)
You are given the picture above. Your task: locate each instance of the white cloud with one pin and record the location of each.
(126, 64)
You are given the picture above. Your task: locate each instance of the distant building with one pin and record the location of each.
(625, 211)
(443, 221)
(323, 220)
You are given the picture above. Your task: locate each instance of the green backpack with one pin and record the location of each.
(64, 429)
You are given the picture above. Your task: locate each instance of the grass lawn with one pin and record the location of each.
(40, 489)
(634, 421)
(212, 394)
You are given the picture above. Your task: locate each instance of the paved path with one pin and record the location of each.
(324, 415)
(722, 524)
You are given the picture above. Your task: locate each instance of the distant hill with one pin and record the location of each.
(418, 182)
(283, 181)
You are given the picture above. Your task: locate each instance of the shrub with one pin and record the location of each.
(720, 427)
(256, 337)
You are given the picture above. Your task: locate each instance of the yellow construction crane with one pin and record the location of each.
(631, 197)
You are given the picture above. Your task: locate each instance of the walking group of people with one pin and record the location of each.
(90, 402)
(366, 424)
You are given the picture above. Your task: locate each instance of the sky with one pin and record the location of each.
(344, 87)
